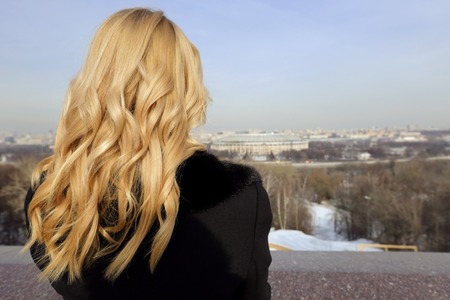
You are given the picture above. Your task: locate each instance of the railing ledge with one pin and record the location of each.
(294, 275)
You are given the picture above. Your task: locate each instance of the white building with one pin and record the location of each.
(259, 144)
(364, 156)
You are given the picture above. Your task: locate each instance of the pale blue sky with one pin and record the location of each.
(268, 64)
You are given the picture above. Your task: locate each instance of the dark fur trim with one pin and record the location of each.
(206, 181)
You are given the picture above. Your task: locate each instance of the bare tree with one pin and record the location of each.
(16, 181)
(288, 192)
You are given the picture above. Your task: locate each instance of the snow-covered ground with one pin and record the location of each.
(323, 239)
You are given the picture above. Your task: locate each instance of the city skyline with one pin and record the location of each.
(268, 65)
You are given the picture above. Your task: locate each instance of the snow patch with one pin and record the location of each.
(323, 222)
(323, 239)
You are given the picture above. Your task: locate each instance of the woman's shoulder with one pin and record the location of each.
(206, 181)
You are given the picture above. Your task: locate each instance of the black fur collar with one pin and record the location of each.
(205, 181)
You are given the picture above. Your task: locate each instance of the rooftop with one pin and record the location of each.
(258, 138)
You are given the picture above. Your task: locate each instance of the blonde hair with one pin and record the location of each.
(123, 133)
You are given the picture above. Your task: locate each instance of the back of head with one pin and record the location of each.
(122, 135)
(137, 50)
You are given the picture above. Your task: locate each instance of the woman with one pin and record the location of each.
(130, 206)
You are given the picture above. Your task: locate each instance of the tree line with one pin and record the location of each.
(405, 203)
(15, 180)
(396, 203)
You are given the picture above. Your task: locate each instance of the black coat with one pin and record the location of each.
(218, 250)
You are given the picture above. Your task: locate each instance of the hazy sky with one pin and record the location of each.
(269, 65)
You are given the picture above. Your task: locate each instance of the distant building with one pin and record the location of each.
(6, 158)
(410, 136)
(35, 139)
(10, 140)
(397, 151)
(259, 145)
(364, 156)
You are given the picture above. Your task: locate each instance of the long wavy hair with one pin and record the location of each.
(123, 133)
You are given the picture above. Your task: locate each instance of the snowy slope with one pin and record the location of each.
(323, 239)
(323, 222)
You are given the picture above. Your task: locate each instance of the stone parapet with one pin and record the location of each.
(293, 275)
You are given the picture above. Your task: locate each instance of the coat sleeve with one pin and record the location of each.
(258, 286)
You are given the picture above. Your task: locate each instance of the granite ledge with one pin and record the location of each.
(293, 275)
